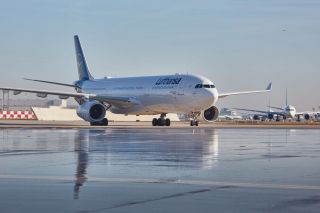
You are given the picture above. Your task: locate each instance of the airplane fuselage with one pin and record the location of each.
(290, 111)
(157, 94)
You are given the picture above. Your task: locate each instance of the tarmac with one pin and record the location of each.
(130, 167)
(144, 125)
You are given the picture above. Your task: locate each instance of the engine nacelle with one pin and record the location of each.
(270, 116)
(211, 114)
(91, 111)
(306, 116)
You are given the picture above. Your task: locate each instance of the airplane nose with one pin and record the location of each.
(211, 96)
(215, 95)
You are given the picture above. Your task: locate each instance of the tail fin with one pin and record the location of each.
(83, 70)
(286, 96)
(269, 87)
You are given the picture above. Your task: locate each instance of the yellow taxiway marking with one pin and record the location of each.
(164, 181)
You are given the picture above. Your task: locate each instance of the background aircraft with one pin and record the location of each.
(288, 111)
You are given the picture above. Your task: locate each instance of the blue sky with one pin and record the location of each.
(239, 45)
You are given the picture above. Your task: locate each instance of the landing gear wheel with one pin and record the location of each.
(103, 122)
(194, 123)
(154, 122)
(161, 122)
(168, 122)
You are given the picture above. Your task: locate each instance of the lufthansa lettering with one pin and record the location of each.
(168, 81)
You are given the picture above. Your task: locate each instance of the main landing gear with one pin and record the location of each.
(103, 122)
(162, 121)
(194, 123)
(194, 119)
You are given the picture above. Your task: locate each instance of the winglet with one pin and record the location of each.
(269, 87)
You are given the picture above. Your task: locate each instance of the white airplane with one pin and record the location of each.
(148, 95)
(288, 111)
(227, 114)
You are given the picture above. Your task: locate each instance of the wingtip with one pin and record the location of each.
(76, 37)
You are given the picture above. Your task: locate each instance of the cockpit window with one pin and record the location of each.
(204, 86)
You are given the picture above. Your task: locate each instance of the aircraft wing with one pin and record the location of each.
(260, 111)
(268, 89)
(279, 108)
(308, 114)
(251, 110)
(113, 100)
(52, 82)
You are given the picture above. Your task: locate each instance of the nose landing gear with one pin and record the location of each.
(194, 123)
(162, 121)
(194, 116)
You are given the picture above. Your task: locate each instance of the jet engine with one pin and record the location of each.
(270, 116)
(256, 117)
(91, 111)
(306, 116)
(211, 114)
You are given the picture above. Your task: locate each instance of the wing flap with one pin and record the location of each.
(251, 110)
(123, 102)
(260, 111)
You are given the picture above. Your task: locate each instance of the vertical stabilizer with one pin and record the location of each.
(83, 70)
(286, 96)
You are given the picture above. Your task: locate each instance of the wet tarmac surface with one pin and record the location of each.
(159, 170)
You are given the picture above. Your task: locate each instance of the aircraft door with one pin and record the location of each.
(180, 87)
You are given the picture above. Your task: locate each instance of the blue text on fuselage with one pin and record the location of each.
(168, 81)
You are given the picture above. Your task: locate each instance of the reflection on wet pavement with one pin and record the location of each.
(225, 159)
